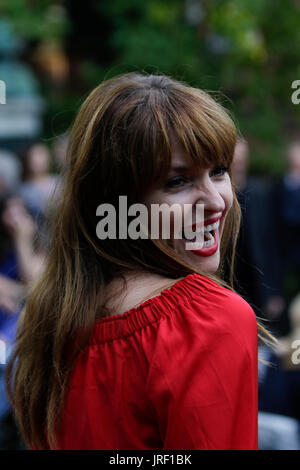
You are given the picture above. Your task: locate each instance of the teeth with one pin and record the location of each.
(211, 237)
(190, 235)
(214, 226)
(206, 229)
(209, 242)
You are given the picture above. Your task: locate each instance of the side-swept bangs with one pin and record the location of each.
(203, 128)
(136, 126)
(159, 111)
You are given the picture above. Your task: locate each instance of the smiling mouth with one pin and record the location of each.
(206, 234)
(209, 247)
(208, 242)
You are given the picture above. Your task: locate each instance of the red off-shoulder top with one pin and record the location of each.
(177, 372)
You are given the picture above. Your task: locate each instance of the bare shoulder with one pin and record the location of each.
(138, 288)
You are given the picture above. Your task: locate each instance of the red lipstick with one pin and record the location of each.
(211, 249)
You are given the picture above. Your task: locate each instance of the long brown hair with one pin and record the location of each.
(120, 143)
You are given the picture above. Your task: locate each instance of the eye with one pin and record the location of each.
(220, 170)
(176, 182)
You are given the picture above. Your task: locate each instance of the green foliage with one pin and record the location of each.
(153, 34)
(248, 50)
(43, 19)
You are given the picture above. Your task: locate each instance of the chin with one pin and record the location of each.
(208, 265)
(208, 269)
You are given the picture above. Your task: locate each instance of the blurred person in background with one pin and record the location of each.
(38, 187)
(285, 230)
(21, 230)
(10, 171)
(256, 273)
(10, 287)
(20, 264)
(279, 389)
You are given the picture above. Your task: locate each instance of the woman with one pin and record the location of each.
(39, 185)
(137, 343)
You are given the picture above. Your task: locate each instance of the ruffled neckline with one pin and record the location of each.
(151, 310)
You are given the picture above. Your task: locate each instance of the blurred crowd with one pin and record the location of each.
(267, 269)
(268, 277)
(29, 186)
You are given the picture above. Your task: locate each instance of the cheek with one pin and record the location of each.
(227, 195)
(175, 223)
(151, 197)
(229, 199)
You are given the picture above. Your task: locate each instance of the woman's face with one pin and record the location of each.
(187, 185)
